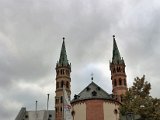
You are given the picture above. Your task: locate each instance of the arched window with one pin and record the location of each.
(124, 70)
(121, 98)
(120, 81)
(56, 109)
(125, 82)
(57, 100)
(61, 99)
(57, 72)
(118, 69)
(114, 70)
(62, 83)
(67, 84)
(61, 72)
(115, 82)
(57, 85)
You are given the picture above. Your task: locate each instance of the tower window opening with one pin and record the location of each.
(125, 82)
(67, 72)
(62, 83)
(123, 70)
(67, 84)
(121, 97)
(57, 72)
(120, 81)
(118, 69)
(115, 82)
(114, 70)
(57, 86)
(57, 100)
(56, 109)
(63, 71)
(61, 99)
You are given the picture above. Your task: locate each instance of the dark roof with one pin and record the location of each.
(63, 61)
(116, 58)
(92, 91)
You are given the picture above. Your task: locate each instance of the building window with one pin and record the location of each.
(115, 82)
(62, 83)
(118, 69)
(67, 84)
(57, 86)
(94, 93)
(120, 81)
(57, 100)
(57, 72)
(114, 70)
(98, 88)
(61, 99)
(125, 82)
(61, 71)
(121, 98)
(115, 111)
(26, 116)
(56, 110)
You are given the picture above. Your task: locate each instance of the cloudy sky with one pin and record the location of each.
(31, 34)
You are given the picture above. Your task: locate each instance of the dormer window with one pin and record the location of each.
(98, 88)
(94, 93)
(87, 88)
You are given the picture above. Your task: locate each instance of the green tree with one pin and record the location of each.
(138, 101)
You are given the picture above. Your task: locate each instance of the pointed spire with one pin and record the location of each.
(63, 55)
(116, 58)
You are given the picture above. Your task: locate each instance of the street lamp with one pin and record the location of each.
(129, 116)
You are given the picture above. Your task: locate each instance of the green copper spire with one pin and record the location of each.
(63, 56)
(116, 58)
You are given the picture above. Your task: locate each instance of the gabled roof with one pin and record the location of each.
(92, 91)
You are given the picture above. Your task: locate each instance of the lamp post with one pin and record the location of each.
(129, 116)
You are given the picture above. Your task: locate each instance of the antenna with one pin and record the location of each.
(47, 104)
(36, 109)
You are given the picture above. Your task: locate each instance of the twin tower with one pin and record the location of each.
(63, 70)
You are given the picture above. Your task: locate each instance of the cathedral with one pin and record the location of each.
(92, 103)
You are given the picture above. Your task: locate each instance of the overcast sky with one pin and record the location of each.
(31, 34)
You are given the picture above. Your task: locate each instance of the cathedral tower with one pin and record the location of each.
(63, 70)
(118, 75)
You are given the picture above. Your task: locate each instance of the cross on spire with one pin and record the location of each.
(92, 76)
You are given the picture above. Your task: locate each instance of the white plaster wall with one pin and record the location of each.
(80, 111)
(109, 111)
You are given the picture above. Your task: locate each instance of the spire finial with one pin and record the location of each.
(114, 36)
(63, 38)
(92, 76)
